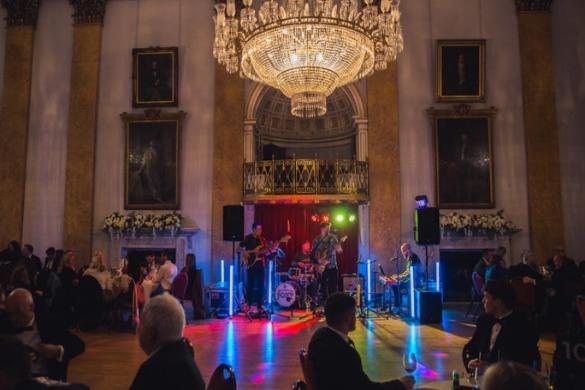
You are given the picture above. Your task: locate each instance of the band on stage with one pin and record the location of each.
(314, 272)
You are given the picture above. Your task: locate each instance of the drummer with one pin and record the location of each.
(306, 263)
(303, 258)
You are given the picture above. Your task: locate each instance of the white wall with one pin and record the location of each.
(47, 137)
(425, 21)
(569, 51)
(143, 23)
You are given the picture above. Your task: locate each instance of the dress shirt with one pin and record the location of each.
(166, 275)
(496, 329)
(31, 337)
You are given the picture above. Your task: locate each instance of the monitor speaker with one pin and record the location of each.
(233, 223)
(427, 230)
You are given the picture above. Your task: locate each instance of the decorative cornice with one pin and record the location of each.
(533, 5)
(21, 12)
(88, 11)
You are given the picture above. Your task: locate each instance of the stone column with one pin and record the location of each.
(384, 163)
(361, 139)
(249, 147)
(228, 155)
(540, 126)
(88, 19)
(14, 114)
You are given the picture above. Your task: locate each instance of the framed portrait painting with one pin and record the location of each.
(151, 174)
(155, 77)
(463, 157)
(461, 70)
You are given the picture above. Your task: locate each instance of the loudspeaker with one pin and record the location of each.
(427, 229)
(233, 223)
(429, 307)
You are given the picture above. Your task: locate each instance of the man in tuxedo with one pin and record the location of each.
(336, 361)
(502, 334)
(49, 343)
(170, 363)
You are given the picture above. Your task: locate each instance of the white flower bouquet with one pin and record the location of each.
(478, 224)
(135, 223)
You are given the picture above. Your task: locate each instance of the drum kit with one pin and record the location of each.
(292, 291)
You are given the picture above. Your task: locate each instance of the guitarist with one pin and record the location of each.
(325, 247)
(255, 287)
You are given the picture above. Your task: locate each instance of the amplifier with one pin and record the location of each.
(218, 296)
(429, 306)
(350, 282)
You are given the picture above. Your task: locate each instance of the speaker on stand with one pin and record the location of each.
(233, 230)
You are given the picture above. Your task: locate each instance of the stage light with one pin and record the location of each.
(270, 268)
(438, 275)
(315, 218)
(369, 286)
(340, 218)
(325, 218)
(222, 270)
(231, 294)
(352, 218)
(421, 201)
(412, 311)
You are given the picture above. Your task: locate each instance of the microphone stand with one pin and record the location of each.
(366, 310)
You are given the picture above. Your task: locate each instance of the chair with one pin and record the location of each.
(476, 295)
(90, 303)
(179, 288)
(308, 371)
(220, 381)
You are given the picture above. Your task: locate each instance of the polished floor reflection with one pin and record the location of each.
(264, 354)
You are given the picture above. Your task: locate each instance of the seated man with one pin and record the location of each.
(170, 363)
(333, 354)
(502, 334)
(49, 343)
(511, 376)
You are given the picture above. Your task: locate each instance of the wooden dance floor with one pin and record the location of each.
(264, 354)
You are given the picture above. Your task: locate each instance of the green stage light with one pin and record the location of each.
(352, 218)
(339, 217)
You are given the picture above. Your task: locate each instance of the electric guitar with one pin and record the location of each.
(324, 262)
(262, 250)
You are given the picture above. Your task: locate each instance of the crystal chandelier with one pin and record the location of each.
(307, 48)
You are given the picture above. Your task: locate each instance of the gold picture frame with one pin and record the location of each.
(155, 73)
(461, 70)
(464, 165)
(152, 160)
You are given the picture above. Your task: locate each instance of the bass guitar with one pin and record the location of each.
(262, 250)
(324, 262)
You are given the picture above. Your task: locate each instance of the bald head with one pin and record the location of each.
(20, 307)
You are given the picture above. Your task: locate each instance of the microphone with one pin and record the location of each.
(381, 269)
(393, 259)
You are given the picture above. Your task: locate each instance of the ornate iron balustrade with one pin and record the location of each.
(306, 177)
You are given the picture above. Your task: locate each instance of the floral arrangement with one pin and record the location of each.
(133, 223)
(478, 224)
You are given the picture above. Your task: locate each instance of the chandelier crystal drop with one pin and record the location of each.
(307, 48)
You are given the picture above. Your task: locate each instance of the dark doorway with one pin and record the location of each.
(456, 269)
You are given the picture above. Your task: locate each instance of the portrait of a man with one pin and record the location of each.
(461, 70)
(155, 77)
(152, 163)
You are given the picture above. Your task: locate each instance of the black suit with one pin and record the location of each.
(172, 367)
(52, 331)
(517, 340)
(338, 365)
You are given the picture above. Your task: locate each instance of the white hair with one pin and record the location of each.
(165, 315)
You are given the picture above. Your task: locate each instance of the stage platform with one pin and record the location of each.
(264, 353)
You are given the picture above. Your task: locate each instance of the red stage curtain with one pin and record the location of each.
(295, 219)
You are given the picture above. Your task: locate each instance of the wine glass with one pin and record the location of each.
(409, 362)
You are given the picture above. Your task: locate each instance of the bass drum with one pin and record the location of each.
(288, 294)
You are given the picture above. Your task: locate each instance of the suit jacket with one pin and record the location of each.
(338, 365)
(171, 367)
(517, 340)
(52, 330)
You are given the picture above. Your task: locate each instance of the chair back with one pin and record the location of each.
(525, 294)
(477, 284)
(223, 378)
(179, 288)
(308, 370)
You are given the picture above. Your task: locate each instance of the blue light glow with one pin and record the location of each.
(369, 286)
(222, 270)
(412, 311)
(231, 303)
(438, 275)
(270, 268)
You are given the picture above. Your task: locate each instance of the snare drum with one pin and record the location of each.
(294, 272)
(288, 294)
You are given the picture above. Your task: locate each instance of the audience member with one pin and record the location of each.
(59, 254)
(336, 361)
(195, 286)
(34, 262)
(482, 264)
(170, 363)
(165, 275)
(497, 268)
(565, 284)
(67, 272)
(501, 334)
(50, 345)
(97, 270)
(12, 253)
(511, 376)
(19, 278)
(50, 257)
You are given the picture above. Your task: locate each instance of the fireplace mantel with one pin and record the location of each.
(180, 242)
(462, 243)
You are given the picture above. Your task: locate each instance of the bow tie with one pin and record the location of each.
(350, 342)
(24, 329)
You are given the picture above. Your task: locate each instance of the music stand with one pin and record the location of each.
(365, 310)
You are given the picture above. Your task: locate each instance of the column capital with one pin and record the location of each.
(21, 12)
(88, 11)
(533, 5)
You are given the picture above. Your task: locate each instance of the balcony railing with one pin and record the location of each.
(346, 179)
